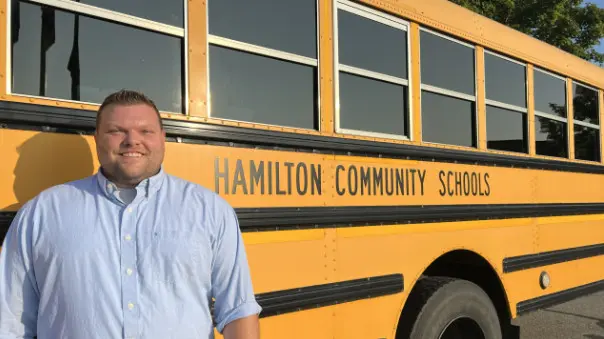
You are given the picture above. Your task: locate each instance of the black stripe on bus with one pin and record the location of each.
(558, 297)
(524, 262)
(298, 299)
(64, 120)
(323, 217)
(286, 218)
(5, 219)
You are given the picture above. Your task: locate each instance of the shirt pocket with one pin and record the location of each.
(174, 256)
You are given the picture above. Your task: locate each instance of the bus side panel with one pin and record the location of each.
(410, 249)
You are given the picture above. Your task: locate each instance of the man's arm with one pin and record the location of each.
(235, 308)
(18, 287)
(243, 328)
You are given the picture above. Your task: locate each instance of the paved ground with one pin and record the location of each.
(578, 319)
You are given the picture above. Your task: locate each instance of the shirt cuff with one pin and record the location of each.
(242, 311)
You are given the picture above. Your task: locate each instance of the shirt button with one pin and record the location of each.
(130, 305)
(129, 271)
(129, 209)
(128, 237)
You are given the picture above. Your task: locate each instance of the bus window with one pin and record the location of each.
(372, 76)
(506, 104)
(586, 111)
(448, 90)
(263, 61)
(550, 114)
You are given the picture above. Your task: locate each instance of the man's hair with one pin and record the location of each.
(126, 97)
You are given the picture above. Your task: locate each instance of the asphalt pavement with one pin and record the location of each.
(578, 319)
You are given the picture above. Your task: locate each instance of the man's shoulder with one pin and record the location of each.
(70, 192)
(197, 193)
(67, 189)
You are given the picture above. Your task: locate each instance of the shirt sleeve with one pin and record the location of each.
(231, 282)
(18, 288)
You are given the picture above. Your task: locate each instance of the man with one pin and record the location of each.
(131, 252)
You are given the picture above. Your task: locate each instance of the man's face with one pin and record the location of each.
(130, 143)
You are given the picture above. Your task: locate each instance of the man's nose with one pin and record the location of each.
(132, 138)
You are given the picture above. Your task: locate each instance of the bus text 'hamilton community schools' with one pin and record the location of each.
(400, 168)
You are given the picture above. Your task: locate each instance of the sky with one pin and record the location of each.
(599, 3)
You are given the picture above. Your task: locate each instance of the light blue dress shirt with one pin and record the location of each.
(78, 262)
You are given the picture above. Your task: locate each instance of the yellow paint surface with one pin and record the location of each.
(34, 161)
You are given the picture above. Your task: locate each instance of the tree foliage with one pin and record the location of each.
(575, 26)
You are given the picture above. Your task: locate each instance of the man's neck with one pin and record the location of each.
(120, 184)
(126, 195)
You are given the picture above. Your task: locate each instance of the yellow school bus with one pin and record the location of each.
(400, 168)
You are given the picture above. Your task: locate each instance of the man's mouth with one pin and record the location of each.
(131, 154)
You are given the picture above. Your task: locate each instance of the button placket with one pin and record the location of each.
(128, 276)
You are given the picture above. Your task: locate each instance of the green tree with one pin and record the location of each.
(575, 26)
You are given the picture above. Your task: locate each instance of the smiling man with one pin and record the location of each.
(130, 252)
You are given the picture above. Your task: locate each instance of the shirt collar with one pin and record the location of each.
(145, 187)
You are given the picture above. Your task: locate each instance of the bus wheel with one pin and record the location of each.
(449, 308)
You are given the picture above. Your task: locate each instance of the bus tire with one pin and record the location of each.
(449, 308)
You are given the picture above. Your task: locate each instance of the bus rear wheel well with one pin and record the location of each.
(470, 266)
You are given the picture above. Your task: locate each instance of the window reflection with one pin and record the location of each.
(359, 45)
(170, 12)
(506, 130)
(448, 120)
(447, 64)
(585, 104)
(254, 88)
(550, 94)
(587, 143)
(285, 25)
(505, 81)
(63, 55)
(551, 137)
(380, 99)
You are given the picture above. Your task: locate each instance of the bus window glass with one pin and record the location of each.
(263, 65)
(448, 99)
(379, 97)
(372, 68)
(447, 64)
(550, 94)
(586, 105)
(448, 120)
(284, 25)
(506, 130)
(283, 97)
(505, 80)
(587, 143)
(49, 64)
(551, 134)
(586, 112)
(359, 47)
(169, 12)
(506, 106)
(551, 137)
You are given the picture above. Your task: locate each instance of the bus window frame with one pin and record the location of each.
(538, 113)
(386, 19)
(587, 124)
(509, 107)
(109, 16)
(451, 93)
(262, 51)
